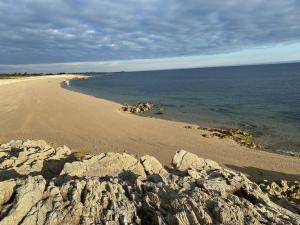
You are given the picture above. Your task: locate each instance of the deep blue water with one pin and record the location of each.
(264, 99)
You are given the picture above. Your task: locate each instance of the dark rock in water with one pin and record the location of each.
(118, 188)
(247, 125)
(242, 137)
(139, 107)
(160, 111)
(221, 110)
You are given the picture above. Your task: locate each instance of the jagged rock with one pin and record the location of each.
(184, 160)
(114, 188)
(283, 188)
(139, 107)
(6, 190)
(18, 158)
(27, 195)
(105, 164)
(242, 137)
(283, 192)
(152, 165)
(83, 201)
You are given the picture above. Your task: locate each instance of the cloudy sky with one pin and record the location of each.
(111, 35)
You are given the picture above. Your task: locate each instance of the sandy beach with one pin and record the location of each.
(39, 108)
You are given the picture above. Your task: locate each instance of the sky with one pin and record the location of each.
(116, 35)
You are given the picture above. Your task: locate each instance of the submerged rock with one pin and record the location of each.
(242, 137)
(139, 107)
(160, 111)
(114, 188)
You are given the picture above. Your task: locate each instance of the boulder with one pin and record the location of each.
(152, 166)
(138, 108)
(105, 164)
(184, 160)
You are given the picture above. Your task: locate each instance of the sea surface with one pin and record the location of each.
(263, 99)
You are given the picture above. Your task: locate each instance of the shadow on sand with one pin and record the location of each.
(258, 175)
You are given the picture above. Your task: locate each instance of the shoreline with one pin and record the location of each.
(261, 148)
(47, 112)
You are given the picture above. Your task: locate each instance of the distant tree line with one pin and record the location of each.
(17, 75)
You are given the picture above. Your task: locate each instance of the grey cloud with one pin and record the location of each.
(51, 31)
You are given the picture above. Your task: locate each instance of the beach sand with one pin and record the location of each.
(39, 108)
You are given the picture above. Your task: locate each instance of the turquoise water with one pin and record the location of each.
(264, 99)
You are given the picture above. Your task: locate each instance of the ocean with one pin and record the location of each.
(262, 99)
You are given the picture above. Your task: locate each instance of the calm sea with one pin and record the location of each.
(264, 99)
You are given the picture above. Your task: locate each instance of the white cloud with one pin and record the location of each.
(51, 31)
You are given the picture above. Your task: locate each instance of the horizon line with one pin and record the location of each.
(253, 56)
(176, 68)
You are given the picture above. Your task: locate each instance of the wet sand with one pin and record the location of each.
(39, 108)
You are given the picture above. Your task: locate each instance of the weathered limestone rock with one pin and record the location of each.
(283, 188)
(83, 201)
(183, 161)
(242, 137)
(138, 108)
(27, 195)
(6, 190)
(283, 192)
(18, 158)
(114, 188)
(152, 166)
(105, 164)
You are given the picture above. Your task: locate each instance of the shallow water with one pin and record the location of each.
(264, 99)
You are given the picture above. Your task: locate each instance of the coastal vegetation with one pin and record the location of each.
(23, 75)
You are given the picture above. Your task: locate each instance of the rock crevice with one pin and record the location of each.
(118, 188)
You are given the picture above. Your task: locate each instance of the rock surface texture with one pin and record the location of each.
(138, 108)
(242, 137)
(44, 185)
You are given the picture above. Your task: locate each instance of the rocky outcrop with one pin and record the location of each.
(242, 137)
(105, 164)
(283, 189)
(139, 107)
(115, 188)
(19, 158)
(283, 192)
